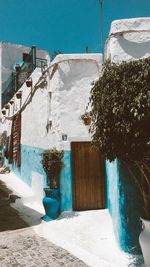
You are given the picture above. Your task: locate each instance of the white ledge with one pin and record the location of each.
(89, 56)
(134, 24)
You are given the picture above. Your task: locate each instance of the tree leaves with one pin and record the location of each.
(120, 102)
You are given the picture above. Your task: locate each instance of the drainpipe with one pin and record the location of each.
(49, 105)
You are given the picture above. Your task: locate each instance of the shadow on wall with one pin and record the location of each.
(7, 90)
(77, 71)
(134, 49)
(30, 162)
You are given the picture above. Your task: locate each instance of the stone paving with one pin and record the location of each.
(26, 249)
(23, 247)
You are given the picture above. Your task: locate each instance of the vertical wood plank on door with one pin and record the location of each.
(88, 177)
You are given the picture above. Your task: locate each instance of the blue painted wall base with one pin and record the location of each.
(124, 204)
(31, 162)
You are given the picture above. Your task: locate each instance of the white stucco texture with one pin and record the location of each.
(130, 24)
(129, 39)
(62, 101)
(70, 86)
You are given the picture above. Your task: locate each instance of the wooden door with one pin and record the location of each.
(88, 170)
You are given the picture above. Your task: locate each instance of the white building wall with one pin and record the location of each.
(70, 90)
(128, 39)
(70, 87)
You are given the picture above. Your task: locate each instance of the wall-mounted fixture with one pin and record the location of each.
(64, 137)
(49, 125)
(50, 94)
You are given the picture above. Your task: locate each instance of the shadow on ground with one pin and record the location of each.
(68, 215)
(10, 219)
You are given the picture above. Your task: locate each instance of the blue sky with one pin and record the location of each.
(65, 25)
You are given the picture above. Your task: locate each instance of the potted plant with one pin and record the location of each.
(7, 106)
(52, 164)
(87, 118)
(11, 101)
(3, 111)
(29, 82)
(19, 94)
(120, 102)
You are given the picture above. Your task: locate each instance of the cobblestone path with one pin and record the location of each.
(23, 247)
(26, 249)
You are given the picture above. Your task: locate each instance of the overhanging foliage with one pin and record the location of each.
(121, 110)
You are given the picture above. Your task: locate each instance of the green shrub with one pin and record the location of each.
(52, 164)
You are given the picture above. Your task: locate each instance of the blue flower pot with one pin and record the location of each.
(51, 203)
